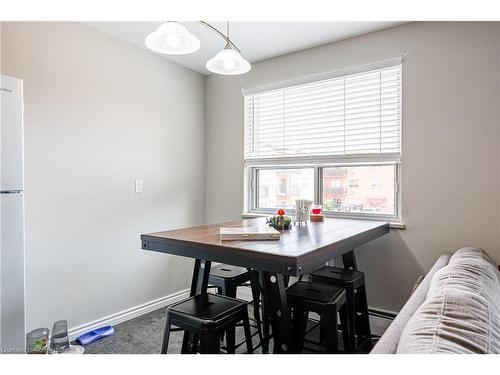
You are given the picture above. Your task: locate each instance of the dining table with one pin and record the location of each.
(299, 250)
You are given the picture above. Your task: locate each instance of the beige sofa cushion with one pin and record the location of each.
(471, 253)
(461, 313)
(388, 343)
(469, 271)
(453, 321)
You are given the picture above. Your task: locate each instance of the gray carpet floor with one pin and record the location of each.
(143, 335)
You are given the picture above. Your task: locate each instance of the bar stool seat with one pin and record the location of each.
(205, 316)
(227, 278)
(340, 276)
(223, 274)
(325, 300)
(357, 305)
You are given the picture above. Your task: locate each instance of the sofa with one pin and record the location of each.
(455, 309)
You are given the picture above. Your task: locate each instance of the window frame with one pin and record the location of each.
(251, 165)
(254, 199)
(252, 191)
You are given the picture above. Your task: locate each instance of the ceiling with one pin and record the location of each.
(256, 40)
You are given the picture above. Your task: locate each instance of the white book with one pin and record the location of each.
(249, 233)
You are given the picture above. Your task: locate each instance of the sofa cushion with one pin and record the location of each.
(453, 321)
(471, 253)
(388, 343)
(471, 271)
(461, 313)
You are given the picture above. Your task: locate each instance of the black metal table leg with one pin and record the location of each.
(265, 316)
(349, 260)
(256, 293)
(286, 280)
(201, 274)
(277, 307)
(199, 284)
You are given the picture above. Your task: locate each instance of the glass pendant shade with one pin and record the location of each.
(228, 62)
(172, 38)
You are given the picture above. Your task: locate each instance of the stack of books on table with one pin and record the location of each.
(249, 233)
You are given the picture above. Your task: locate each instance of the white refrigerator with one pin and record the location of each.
(12, 279)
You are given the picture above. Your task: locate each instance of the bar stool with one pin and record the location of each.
(357, 306)
(205, 316)
(327, 301)
(227, 279)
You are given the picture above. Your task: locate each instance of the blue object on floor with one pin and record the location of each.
(95, 335)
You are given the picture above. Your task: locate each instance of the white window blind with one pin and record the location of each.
(357, 114)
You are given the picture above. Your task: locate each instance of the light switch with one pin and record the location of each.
(138, 186)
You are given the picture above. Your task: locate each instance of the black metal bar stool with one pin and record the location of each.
(227, 279)
(354, 284)
(327, 301)
(205, 316)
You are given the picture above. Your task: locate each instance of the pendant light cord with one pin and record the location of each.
(226, 38)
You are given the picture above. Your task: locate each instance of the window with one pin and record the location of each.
(363, 196)
(335, 183)
(281, 187)
(336, 141)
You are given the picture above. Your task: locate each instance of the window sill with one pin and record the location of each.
(397, 225)
(251, 215)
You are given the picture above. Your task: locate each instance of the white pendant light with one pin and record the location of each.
(228, 62)
(172, 38)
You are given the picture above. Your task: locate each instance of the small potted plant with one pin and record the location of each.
(279, 221)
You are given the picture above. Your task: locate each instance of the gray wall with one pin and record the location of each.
(450, 178)
(100, 113)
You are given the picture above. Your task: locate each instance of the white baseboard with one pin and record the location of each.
(128, 314)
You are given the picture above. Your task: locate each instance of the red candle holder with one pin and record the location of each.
(316, 213)
(316, 209)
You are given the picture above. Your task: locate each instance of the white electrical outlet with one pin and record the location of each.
(138, 186)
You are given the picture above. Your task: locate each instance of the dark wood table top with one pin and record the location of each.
(299, 250)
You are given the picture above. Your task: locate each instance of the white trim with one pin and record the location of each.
(392, 224)
(128, 314)
(321, 76)
(325, 160)
(250, 190)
